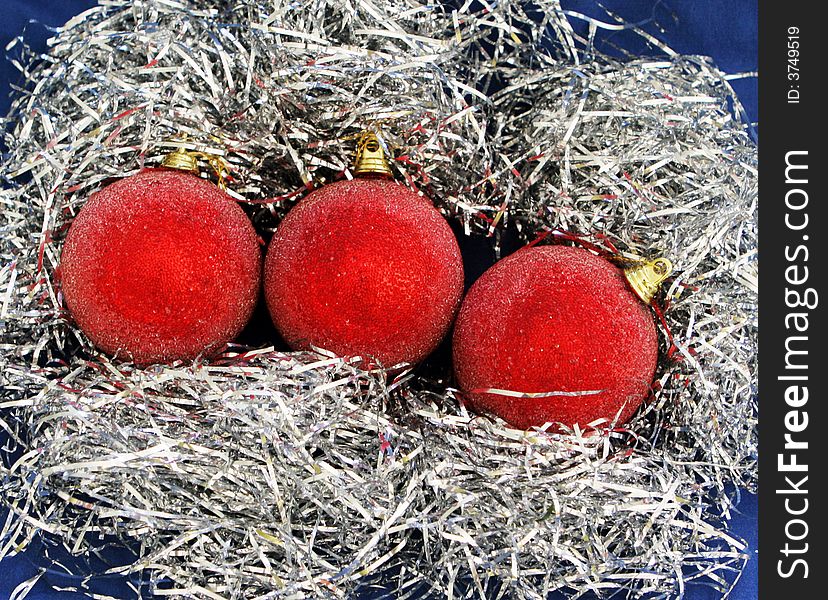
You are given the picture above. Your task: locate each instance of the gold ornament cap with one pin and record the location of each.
(370, 160)
(181, 160)
(187, 160)
(646, 277)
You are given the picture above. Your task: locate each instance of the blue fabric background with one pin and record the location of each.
(723, 29)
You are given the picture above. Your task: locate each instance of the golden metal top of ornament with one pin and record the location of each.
(181, 160)
(187, 160)
(646, 277)
(370, 160)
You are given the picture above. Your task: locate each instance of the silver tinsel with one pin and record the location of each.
(266, 474)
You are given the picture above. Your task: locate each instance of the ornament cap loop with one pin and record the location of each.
(187, 160)
(370, 158)
(646, 277)
(181, 160)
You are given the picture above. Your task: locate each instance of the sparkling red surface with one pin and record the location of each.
(364, 267)
(160, 266)
(555, 319)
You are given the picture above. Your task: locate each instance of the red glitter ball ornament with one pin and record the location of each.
(160, 266)
(364, 267)
(555, 334)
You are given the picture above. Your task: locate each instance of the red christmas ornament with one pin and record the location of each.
(364, 267)
(159, 266)
(557, 334)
